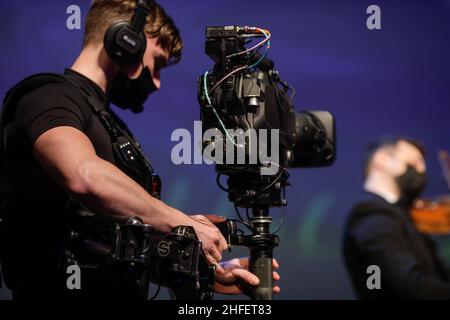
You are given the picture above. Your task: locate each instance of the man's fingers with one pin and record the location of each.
(246, 276)
(244, 263)
(276, 289)
(276, 276)
(220, 269)
(213, 256)
(220, 241)
(223, 243)
(214, 218)
(210, 260)
(250, 278)
(216, 254)
(275, 264)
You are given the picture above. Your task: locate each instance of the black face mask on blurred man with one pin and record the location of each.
(411, 184)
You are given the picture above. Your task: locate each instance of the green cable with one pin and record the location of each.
(265, 53)
(214, 110)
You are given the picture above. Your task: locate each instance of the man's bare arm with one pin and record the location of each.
(69, 157)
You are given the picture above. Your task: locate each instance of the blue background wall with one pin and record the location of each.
(395, 80)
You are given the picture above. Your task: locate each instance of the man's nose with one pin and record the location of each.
(419, 166)
(157, 83)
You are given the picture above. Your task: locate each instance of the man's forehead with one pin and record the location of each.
(402, 149)
(406, 149)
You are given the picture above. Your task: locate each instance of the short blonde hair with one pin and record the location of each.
(104, 13)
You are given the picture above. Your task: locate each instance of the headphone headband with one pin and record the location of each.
(141, 13)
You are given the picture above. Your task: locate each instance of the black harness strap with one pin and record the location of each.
(127, 151)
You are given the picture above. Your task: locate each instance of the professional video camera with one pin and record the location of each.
(244, 100)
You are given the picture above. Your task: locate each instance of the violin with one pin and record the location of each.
(433, 216)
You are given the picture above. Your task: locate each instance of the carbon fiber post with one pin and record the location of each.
(261, 245)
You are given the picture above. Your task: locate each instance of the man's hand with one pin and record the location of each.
(213, 242)
(236, 279)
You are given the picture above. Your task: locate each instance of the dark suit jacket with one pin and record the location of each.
(383, 234)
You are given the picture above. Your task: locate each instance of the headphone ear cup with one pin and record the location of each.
(123, 45)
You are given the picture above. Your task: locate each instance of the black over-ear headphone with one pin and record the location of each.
(125, 42)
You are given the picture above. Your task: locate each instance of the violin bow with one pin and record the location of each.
(444, 160)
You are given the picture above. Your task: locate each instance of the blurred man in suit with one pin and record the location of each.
(380, 231)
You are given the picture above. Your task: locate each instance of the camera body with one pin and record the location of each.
(244, 93)
(257, 98)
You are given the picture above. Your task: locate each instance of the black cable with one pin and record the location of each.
(159, 286)
(238, 213)
(244, 167)
(270, 184)
(293, 93)
(219, 184)
(283, 214)
(156, 293)
(248, 225)
(257, 192)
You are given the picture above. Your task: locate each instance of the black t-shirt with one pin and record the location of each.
(383, 234)
(55, 105)
(35, 219)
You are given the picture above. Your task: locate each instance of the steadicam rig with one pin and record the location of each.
(142, 255)
(244, 93)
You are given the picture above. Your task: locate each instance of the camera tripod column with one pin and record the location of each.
(261, 244)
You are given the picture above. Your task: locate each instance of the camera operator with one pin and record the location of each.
(381, 232)
(58, 150)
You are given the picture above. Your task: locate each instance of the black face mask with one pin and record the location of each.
(411, 184)
(128, 93)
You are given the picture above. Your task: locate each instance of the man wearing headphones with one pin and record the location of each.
(58, 148)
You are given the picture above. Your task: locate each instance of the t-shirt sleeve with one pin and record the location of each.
(48, 107)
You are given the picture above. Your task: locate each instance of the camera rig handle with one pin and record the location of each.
(260, 243)
(174, 260)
